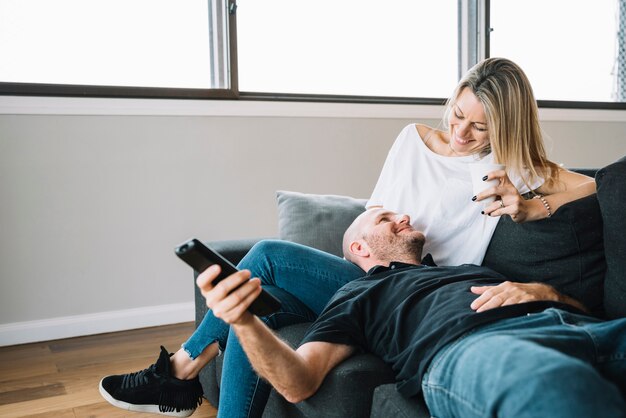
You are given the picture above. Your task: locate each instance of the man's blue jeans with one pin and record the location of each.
(304, 280)
(549, 364)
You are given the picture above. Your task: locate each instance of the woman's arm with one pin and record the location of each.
(571, 186)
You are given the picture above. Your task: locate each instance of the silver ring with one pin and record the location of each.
(501, 204)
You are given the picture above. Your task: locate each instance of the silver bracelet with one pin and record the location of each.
(545, 203)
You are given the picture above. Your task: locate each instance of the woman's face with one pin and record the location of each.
(468, 125)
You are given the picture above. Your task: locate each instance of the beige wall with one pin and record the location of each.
(92, 206)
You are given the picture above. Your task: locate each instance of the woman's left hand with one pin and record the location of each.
(508, 200)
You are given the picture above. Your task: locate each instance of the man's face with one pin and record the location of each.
(390, 236)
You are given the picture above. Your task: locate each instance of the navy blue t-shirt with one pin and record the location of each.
(405, 314)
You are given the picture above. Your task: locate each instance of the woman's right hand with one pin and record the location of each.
(508, 199)
(571, 186)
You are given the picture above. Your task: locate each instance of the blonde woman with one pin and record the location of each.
(492, 117)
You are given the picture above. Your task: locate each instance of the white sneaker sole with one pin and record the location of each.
(154, 409)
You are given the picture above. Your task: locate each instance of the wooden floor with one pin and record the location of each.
(60, 378)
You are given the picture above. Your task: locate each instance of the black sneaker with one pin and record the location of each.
(153, 390)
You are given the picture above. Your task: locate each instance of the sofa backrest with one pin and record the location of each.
(611, 186)
(565, 251)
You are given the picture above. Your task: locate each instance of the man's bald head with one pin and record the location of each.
(379, 236)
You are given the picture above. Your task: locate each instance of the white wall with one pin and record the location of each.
(91, 205)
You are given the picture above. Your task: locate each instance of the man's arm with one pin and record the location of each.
(511, 293)
(294, 374)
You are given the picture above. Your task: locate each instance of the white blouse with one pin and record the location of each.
(436, 192)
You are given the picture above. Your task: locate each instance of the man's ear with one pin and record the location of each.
(359, 248)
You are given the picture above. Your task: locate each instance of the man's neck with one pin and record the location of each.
(369, 263)
(414, 261)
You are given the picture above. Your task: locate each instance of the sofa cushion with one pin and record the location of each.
(387, 402)
(611, 185)
(565, 251)
(318, 221)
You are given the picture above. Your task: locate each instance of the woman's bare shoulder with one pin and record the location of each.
(432, 137)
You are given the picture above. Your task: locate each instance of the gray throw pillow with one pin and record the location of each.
(565, 251)
(611, 184)
(318, 221)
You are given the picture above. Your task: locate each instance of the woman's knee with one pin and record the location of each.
(258, 258)
(264, 247)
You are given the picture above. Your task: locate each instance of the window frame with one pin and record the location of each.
(473, 46)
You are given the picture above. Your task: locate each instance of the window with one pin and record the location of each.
(350, 50)
(567, 48)
(136, 46)
(404, 48)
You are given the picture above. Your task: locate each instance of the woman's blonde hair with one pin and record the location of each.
(512, 117)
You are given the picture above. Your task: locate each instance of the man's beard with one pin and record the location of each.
(405, 248)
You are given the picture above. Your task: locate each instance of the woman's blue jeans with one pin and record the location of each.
(304, 280)
(549, 364)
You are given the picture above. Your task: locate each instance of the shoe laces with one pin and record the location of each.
(139, 378)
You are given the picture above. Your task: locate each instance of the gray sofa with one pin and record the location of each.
(580, 250)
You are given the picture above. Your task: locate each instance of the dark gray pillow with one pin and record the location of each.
(565, 251)
(611, 183)
(318, 221)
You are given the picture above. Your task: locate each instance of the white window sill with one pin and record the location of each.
(27, 105)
